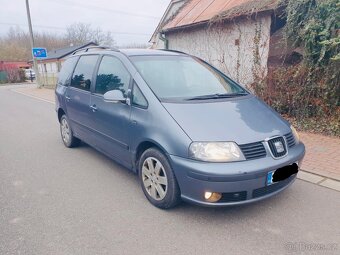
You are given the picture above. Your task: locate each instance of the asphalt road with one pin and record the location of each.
(55, 200)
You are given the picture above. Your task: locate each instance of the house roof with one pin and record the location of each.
(62, 52)
(14, 64)
(201, 11)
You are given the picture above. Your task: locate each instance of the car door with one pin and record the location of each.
(111, 120)
(78, 97)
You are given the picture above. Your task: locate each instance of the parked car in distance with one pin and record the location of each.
(29, 73)
(190, 132)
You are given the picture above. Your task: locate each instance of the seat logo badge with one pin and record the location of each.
(279, 147)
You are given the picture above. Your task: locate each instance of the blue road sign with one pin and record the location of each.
(39, 52)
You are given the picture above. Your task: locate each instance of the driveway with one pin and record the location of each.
(55, 200)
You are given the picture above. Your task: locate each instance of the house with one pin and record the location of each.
(233, 35)
(50, 66)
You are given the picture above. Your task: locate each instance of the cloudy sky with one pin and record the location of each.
(130, 21)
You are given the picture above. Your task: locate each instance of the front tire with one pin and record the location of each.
(157, 179)
(67, 136)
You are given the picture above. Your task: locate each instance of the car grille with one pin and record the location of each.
(272, 188)
(253, 150)
(233, 197)
(274, 149)
(290, 140)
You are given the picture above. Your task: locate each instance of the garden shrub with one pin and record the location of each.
(309, 90)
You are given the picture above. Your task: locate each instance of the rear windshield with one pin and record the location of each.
(183, 77)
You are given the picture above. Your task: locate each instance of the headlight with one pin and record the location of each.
(215, 151)
(295, 134)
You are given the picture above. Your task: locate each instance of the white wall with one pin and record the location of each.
(48, 73)
(218, 46)
(51, 67)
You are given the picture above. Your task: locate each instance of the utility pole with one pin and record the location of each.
(35, 65)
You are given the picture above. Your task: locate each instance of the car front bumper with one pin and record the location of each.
(239, 182)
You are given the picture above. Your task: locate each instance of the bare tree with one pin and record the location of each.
(15, 44)
(80, 33)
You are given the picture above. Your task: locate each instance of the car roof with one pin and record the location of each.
(129, 52)
(148, 52)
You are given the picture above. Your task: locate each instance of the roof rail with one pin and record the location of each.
(175, 51)
(95, 47)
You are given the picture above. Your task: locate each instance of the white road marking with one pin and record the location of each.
(38, 98)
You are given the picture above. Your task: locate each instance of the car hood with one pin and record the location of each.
(242, 120)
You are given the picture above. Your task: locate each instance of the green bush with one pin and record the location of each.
(315, 27)
(309, 93)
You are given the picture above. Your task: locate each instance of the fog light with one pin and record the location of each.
(212, 196)
(207, 195)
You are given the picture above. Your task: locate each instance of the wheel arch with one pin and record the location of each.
(61, 112)
(143, 146)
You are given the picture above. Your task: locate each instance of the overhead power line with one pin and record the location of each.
(64, 29)
(106, 9)
(25, 25)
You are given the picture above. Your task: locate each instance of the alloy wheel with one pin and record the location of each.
(154, 178)
(65, 131)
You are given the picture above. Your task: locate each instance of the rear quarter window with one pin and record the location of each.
(64, 77)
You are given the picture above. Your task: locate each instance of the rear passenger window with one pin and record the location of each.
(112, 75)
(66, 71)
(82, 76)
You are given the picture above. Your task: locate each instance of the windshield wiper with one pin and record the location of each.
(217, 96)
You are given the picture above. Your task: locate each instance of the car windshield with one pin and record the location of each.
(185, 78)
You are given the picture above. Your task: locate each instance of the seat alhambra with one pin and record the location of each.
(189, 131)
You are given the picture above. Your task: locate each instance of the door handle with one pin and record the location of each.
(67, 98)
(94, 108)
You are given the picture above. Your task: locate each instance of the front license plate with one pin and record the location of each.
(270, 178)
(281, 173)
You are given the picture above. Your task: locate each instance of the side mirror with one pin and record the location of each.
(114, 96)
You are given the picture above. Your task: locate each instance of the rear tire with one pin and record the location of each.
(157, 179)
(67, 136)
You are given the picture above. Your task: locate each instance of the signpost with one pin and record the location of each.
(32, 44)
(39, 53)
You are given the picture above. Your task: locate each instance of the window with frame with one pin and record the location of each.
(138, 99)
(112, 75)
(65, 73)
(82, 76)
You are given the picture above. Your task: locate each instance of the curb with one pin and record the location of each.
(319, 180)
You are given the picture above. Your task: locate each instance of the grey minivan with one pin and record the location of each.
(190, 132)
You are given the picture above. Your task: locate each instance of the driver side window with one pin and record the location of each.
(112, 75)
